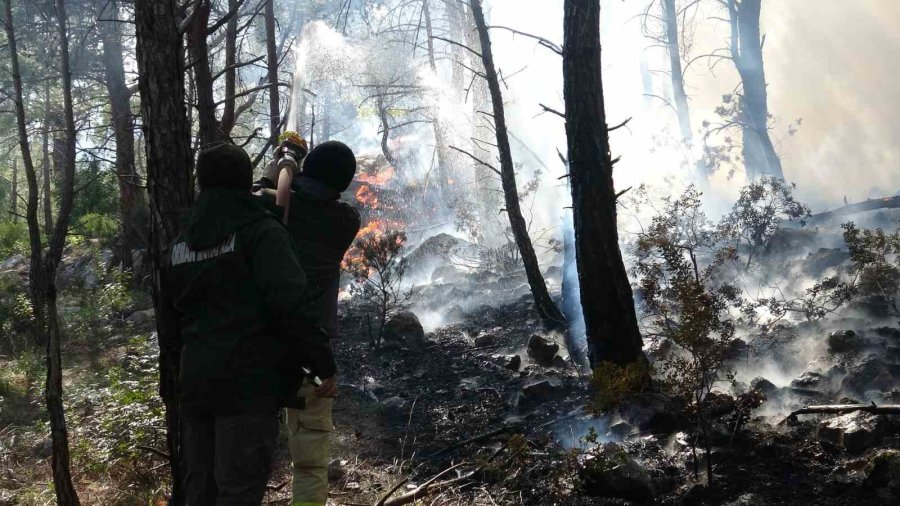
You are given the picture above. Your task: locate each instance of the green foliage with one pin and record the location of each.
(758, 214)
(611, 384)
(377, 266)
(13, 238)
(876, 260)
(97, 226)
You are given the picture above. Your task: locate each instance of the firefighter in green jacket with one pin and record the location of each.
(323, 228)
(242, 297)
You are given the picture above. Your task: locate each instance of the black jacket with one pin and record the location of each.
(244, 307)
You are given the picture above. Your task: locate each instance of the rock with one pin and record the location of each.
(610, 472)
(853, 432)
(764, 386)
(139, 317)
(621, 429)
(395, 402)
(43, 449)
(447, 274)
(844, 341)
(883, 472)
(748, 500)
(812, 381)
(650, 412)
(485, 340)
(455, 314)
(13, 263)
(719, 403)
(513, 363)
(542, 350)
(559, 363)
(541, 391)
(872, 374)
(404, 327)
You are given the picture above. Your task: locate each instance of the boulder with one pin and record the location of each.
(873, 374)
(812, 381)
(337, 469)
(513, 363)
(719, 403)
(844, 341)
(650, 412)
(610, 472)
(541, 391)
(542, 350)
(447, 274)
(14, 262)
(405, 328)
(485, 340)
(737, 349)
(764, 386)
(141, 317)
(883, 472)
(853, 432)
(559, 363)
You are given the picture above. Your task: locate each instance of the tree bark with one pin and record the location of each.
(272, 68)
(231, 28)
(132, 203)
(45, 161)
(606, 295)
(545, 306)
(169, 164)
(203, 80)
(759, 153)
(673, 45)
(14, 191)
(439, 135)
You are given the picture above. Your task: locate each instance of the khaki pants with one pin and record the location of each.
(309, 434)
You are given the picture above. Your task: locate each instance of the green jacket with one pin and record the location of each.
(242, 297)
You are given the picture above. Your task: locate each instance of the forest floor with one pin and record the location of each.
(454, 418)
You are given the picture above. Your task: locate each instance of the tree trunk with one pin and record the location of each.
(759, 153)
(203, 80)
(14, 191)
(272, 68)
(45, 160)
(385, 131)
(545, 306)
(132, 203)
(606, 296)
(673, 45)
(439, 136)
(167, 139)
(228, 114)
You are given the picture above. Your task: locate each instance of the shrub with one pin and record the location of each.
(97, 226)
(13, 238)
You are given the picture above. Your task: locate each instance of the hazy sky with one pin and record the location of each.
(828, 62)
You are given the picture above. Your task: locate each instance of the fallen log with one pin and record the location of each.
(430, 485)
(859, 207)
(840, 409)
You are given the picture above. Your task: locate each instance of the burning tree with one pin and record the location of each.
(378, 267)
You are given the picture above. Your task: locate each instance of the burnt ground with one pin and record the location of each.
(409, 415)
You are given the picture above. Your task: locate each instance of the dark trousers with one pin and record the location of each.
(227, 458)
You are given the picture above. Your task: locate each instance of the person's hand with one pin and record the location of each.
(328, 388)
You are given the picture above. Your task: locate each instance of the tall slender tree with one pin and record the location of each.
(545, 306)
(606, 296)
(673, 46)
(169, 164)
(43, 267)
(132, 202)
(758, 150)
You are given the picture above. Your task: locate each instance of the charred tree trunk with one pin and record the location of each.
(272, 68)
(673, 45)
(759, 153)
(231, 28)
(198, 52)
(385, 131)
(168, 143)
(132, 203)
(606, 296)
(545, 306)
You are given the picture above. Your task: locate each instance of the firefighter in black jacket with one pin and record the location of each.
(246, 324)
(323, 228)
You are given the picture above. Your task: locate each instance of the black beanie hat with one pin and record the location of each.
(331, 163)
(224, 165)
